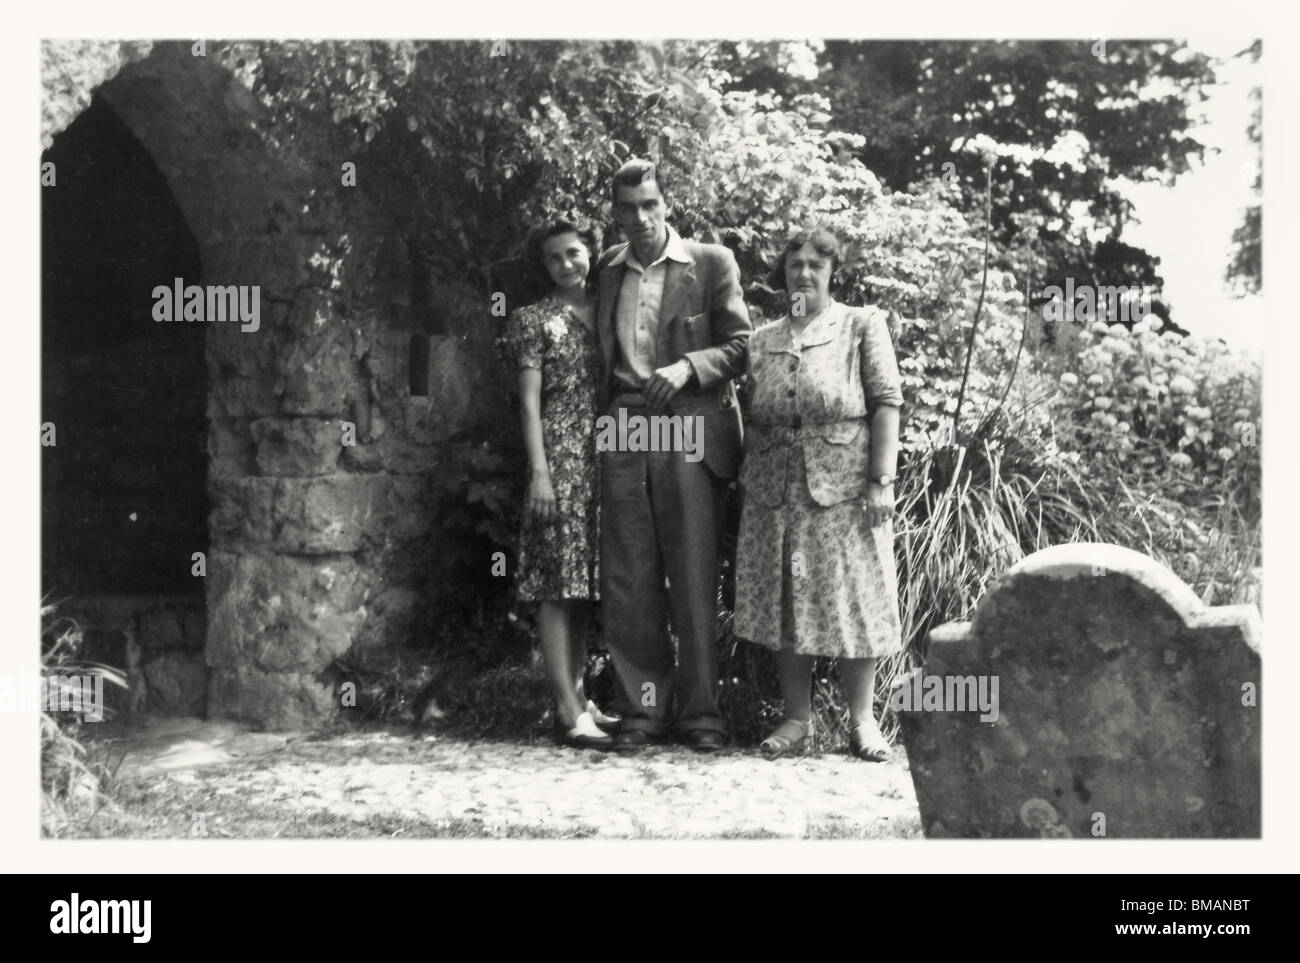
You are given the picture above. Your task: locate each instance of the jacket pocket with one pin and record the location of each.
(697, 331)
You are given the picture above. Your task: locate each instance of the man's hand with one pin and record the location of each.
(666, 382)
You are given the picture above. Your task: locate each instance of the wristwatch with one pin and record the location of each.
(884, 481)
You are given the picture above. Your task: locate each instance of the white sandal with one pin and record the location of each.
(585, 734)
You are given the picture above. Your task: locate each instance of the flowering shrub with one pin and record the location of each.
(751, 168)
(1160, 401)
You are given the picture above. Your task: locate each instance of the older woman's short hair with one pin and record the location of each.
(824, 242)
(539, 280)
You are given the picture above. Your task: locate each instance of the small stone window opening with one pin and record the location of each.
(418, 365)
(427, 322)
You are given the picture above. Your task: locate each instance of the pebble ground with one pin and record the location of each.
(185, 778)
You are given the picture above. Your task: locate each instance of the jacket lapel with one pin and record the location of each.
(611, 278)
(679, 279)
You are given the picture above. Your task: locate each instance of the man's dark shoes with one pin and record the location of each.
(706, 740)
(634, 740)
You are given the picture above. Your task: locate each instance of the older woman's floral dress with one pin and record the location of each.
(812, 575)
(558, 558)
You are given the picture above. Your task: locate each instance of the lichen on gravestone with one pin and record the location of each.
(1127, 708)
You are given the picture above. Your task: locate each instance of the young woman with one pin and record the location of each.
(554, 345)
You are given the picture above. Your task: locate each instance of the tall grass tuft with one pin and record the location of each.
(71, 784)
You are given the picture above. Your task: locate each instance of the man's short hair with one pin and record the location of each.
(824, 242)
(636, 172)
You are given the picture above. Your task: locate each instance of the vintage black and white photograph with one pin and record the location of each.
(651, 439)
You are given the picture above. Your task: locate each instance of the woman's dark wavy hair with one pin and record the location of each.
(538, 280)
(824, 242)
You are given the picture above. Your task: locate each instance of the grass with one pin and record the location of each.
(72, 779)
(1209, 535)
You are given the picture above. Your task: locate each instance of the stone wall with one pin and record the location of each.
(157, 641)
(320, 459)
(323, 542)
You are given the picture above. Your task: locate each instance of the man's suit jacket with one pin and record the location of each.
(702, 318)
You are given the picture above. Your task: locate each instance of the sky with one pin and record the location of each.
(1189, 225)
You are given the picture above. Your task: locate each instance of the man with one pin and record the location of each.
(674, 329)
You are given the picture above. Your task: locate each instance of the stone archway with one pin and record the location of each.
(125, 491)
(319, 454)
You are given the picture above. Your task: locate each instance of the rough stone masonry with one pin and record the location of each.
(1126, 708)
(321, 457)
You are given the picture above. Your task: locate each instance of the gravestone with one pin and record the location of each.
(1092, 696)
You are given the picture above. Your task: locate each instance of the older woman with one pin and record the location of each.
(815, 564)
(554, 345)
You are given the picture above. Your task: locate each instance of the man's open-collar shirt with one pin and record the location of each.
(636, 315)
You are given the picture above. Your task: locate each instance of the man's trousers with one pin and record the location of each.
(661, 517)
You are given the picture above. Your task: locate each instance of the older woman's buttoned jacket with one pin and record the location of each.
(820, 394)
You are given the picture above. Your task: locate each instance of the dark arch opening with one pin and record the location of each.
(124, 490)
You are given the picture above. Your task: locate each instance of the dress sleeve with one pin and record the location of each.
(880, 378)
(525, 340)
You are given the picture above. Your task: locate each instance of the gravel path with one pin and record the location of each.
(185, 778)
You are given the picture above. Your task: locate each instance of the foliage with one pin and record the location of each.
(1245, 268)
(71, 784)
(749, 168)
(70, 72)
(1158, 401)
(478, 495)
(529, 129)
(487, 137)
(1245, 271)
(1170, 431)
(1070, 119)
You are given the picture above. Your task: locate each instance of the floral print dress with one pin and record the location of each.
(811, 574)
(557, 558)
